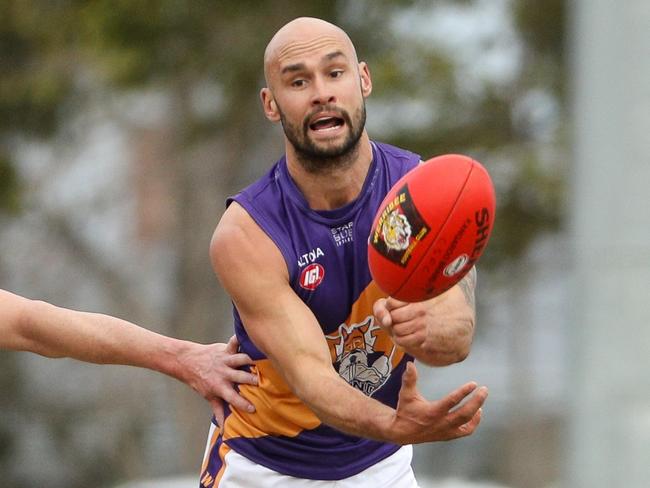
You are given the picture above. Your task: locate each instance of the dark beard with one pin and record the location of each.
(315, 159)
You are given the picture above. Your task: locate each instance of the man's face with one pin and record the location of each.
(317, 86)
(327, 118)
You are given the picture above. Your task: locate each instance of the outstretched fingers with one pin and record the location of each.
(466, 417)
(457, 396)
(455, 415)
(469, 427)
(409, 380)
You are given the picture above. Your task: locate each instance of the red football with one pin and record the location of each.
(431, 228)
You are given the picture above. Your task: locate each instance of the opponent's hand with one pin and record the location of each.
(418, 420)
(211, 370)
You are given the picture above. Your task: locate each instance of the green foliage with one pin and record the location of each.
(531, 204)
(482, 123)
(544, 33)
(50, 52)
(543, 29)
(36, 69)
(179, 44)
(9, 187)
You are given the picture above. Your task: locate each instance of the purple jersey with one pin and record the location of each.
(326, 255)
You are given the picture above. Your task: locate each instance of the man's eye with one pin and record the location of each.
(298, 83)
(336, 73)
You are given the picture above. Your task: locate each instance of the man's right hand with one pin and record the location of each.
(418, 420)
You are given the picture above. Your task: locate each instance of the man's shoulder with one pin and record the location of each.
(260, 186)
(239, 235)
(262, 207)
(396, 160)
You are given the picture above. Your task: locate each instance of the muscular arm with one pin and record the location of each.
(438, 331)
(51, 331)
(253, 271)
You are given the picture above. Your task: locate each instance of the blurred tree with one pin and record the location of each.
(61, 54)
(504, 123)
(9, 193)
(205, 59)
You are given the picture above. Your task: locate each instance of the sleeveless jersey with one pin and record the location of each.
(326, 255)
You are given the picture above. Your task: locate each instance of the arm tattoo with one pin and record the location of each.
(468, 285)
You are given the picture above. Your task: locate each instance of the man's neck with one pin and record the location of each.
(336, 187)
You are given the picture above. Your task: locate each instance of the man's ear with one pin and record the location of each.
(269, 105)
(366, 80)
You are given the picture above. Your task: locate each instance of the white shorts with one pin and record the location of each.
(393, 472)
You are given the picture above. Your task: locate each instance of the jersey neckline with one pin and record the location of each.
(338, 215)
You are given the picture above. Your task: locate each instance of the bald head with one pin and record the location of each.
(300, 36)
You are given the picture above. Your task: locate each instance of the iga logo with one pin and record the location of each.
(312, 276)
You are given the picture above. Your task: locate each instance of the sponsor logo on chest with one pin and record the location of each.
(312, 276)
(312, 273)
(310, 257)
(343, 234)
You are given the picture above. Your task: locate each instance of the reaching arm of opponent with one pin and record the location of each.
(438, 331)
(255, 275)
(51, 331)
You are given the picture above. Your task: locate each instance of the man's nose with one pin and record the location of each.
(322, 94)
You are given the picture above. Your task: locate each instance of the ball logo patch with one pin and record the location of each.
(456, 265)
(396, 231)
(312, 276)
(400, 228)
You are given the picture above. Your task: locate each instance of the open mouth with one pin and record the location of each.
(326, 123)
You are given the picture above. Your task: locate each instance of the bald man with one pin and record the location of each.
(55, 332)
(337, 402)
